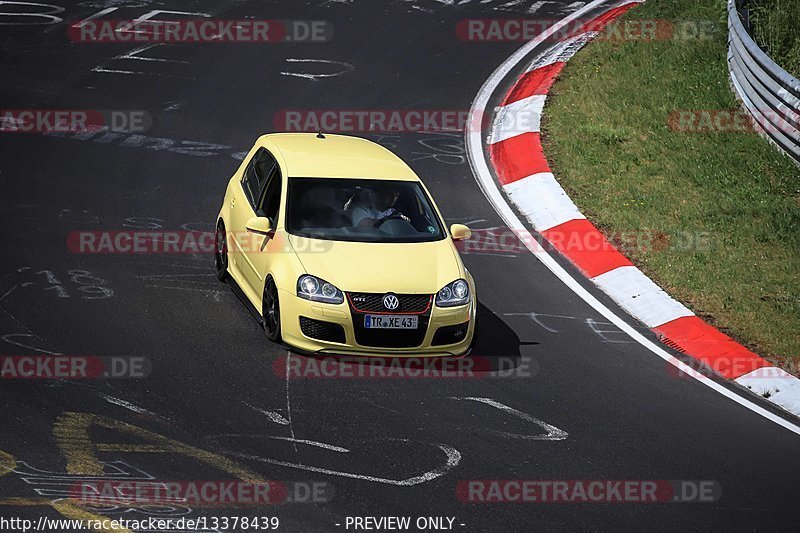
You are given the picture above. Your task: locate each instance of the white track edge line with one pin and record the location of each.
(479, 166)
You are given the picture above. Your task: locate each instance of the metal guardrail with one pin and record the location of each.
(769, 93)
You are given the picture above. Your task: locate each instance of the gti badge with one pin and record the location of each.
(391, 302)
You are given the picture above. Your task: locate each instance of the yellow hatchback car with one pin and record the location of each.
(339, 248)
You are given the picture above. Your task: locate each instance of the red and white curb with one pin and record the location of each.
(521, 170)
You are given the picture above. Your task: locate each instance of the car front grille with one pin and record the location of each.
(369, 302)
(362, 304)
(389, 338)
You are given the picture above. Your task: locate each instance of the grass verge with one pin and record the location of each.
(776, 29)
(724, 207)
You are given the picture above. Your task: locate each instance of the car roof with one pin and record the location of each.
(336, 156)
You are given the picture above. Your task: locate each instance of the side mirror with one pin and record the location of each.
(460, 232)
(260, 225)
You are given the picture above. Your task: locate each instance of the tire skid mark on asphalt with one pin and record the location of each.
(137, 140)
(343, 65)
(179, 283)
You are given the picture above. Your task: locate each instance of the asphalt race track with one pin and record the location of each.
(385, 447)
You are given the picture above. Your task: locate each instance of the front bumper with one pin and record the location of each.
(293, 307)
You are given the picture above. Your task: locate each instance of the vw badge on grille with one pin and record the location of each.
(391, 302)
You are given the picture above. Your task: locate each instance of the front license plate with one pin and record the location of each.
(391, 321)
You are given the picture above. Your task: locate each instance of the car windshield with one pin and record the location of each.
(361, 210)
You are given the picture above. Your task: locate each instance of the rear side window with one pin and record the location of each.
(271, 198)
(256, 174)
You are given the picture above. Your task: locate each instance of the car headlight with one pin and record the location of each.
(318, 290)
(453, 294)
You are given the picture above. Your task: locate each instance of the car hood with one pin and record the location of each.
(404, 268)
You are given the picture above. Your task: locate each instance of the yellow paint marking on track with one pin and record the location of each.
(72, 432)
(7, 463)
(130, 448)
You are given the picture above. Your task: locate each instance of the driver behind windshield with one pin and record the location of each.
(373, 214)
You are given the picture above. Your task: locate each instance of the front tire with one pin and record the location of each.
(221, 251)
(271, 311)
